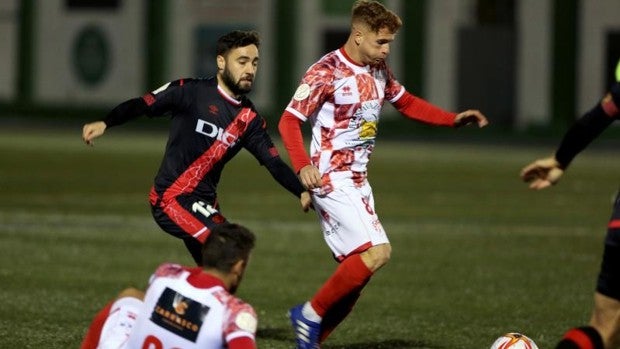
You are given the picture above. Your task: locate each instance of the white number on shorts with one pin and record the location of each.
(206, 210)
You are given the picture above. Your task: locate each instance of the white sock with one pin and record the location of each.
(309, 313)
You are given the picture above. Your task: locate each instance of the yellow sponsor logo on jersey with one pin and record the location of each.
(368, 129)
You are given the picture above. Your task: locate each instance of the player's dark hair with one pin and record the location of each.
(227, 244)
(375, 16)
(236, 38)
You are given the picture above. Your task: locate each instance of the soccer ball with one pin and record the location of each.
(514, 340)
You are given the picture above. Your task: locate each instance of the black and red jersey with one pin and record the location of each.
(208, 128)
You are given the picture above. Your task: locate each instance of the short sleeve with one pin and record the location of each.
(241, 320)
(313, 90)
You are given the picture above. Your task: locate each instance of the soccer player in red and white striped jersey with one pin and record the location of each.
(341, 96)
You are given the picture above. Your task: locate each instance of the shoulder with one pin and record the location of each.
(241, 315)
(325, 67)
(170, 270)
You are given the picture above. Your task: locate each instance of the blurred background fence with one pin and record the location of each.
(528, 64)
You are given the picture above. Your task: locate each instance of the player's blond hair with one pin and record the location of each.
(374, 15)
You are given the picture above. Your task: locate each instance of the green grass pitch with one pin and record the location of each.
(475, 254)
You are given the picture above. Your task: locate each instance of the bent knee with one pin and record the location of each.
(377, 256)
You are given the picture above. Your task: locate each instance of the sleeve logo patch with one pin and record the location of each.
(246, 322)
(303, 91)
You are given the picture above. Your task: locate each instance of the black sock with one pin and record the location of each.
(581, 338)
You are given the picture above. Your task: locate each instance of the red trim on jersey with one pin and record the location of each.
(614, 223)
(149, 99)
(189, 180)
(349, 59)
(181, 82)
(198, 278)
(153, 196)
(418, 109)
(242, 343)
(581, 339)
(290, 131)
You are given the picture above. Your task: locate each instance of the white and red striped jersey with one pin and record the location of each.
(342, 100)
(187, 308)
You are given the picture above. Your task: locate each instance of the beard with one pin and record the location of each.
(236, 87)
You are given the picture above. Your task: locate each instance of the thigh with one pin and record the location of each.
(188, 216)
(349, 221)
(609, 276)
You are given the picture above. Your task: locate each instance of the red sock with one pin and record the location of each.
(350, 276)
(338, 313)
(91, 340)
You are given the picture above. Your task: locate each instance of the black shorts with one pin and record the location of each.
(609, 276)
(189, 218)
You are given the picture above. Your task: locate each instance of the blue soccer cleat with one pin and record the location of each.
(306, 332)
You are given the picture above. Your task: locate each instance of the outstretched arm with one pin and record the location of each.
(545, 172)
(542, 173)
(470, 117)
(120, 114)
(418, 109)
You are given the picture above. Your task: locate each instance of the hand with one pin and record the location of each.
(310, 177)
(542, 173)
(306, 201)
(469, 117)
(92, 131)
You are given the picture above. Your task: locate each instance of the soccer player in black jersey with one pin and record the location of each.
(604, 327)
(211, 120)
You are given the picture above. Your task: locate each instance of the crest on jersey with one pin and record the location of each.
(302, 92)
(246, 322)
(179, 314)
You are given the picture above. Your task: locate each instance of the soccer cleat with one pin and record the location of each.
(306, 332)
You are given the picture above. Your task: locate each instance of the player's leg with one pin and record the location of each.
(354, 234)
(91, 340)
(606, 319)
(337, 313)
(606, 314)
(586, 337)
(604, 327)
(189, 218)
(112, 325)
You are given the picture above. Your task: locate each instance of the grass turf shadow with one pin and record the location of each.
(284, 335)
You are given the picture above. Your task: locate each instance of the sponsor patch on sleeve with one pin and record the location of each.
(302, 92)
(246, 322)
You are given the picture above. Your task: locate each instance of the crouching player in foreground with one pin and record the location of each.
(604, 325)
(185, 307)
